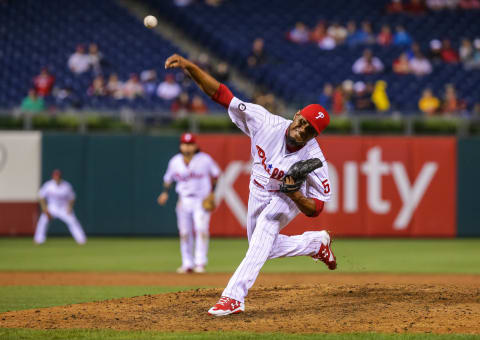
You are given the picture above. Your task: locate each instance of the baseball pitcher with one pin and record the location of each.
(289, 176)
(196, 174)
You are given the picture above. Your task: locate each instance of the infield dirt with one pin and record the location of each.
(290, 303)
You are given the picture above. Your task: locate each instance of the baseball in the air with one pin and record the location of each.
(150, 21)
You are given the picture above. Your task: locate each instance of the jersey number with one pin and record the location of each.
(326, 186)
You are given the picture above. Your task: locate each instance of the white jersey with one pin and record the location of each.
(271, 160)
(57, 196)
(193, 180)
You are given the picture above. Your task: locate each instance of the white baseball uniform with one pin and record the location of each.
(268, 209)
(194, 184)
(58, 197)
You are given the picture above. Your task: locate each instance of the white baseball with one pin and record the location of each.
(150, 21)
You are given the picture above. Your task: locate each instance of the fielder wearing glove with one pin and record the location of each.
(299, 172)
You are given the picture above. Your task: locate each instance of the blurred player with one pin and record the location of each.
(196, 175)
(56, 200)
(277, 144)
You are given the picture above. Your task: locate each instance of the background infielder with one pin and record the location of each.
(277, 144)
(196, 174)
(56, 201)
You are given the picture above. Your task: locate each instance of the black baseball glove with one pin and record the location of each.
(299, 171)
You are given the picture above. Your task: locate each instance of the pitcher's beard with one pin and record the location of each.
(292, 142)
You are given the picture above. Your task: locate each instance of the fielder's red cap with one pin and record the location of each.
(187, 138)
(317, 116)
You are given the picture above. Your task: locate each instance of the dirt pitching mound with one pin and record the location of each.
(332, 308)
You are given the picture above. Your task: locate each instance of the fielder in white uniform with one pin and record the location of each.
(56, 200)
(195, 174)
(277, 143)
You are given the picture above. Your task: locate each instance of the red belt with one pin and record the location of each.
(263, 187)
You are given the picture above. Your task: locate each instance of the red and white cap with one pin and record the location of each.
(187, 138)
(317, 116)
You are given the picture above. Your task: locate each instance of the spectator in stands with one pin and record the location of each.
(380, 96)
(65, 97)
(79, 62)
(436, 5)
(198, 105)
(181, 105)
(115, 87)
(367, 64)
(133, 88)
(96, 58)
(401, 37)
(401, 65)
(148, 78)
(469, 4)
(338, 102)
(435, 54)
(428, 103)
(32, 103)
(474, 63)
(414, 49)
(395, 6)
(325, 99)
(257, 56)
(449, 55)
(352, 34)
(451, 103)
(347, 91)
(97, 88)
(43, 83)
(384, 38)
(221, 72)
(299, 34)
(362, 98)
(465, 51)
(327, 43)
(338, 33)
(169, 89)
(415, 7)
(318, 33)
(419, 65)
(365, 35)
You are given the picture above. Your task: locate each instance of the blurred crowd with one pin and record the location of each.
(370, 97)
(175, 90)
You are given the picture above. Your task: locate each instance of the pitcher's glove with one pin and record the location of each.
(299, 171)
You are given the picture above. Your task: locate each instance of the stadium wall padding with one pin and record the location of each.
(117, 180)
(468, 187)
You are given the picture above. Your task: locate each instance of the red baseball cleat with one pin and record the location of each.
(226, 306)
(325, 254)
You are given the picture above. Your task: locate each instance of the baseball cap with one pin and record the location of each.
(187, 138)
(317, 116)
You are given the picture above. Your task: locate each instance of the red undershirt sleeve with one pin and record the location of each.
(223, 96)
(318, 207)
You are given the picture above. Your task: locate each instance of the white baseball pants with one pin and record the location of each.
(193, 222)
(69, 219)
(268, 213)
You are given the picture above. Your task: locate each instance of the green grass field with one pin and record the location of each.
(460, 256)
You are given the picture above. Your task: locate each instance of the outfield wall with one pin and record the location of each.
(382, 186)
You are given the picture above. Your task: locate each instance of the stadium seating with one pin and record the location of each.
(51, 29)
(34, 34)
(297, 73)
